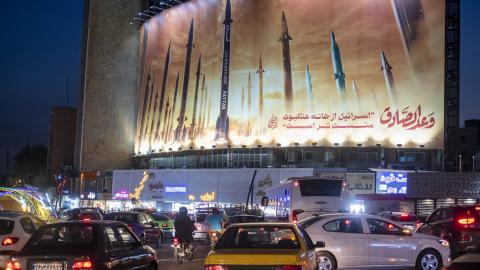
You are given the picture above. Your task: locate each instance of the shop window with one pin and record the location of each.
(308, 156)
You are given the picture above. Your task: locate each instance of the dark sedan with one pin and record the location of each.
(84, 245)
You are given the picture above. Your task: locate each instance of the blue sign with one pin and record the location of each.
(176, 189)
(391, 183)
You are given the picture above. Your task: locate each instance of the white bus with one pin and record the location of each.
(297, 198)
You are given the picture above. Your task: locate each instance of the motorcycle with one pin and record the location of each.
(182, 251)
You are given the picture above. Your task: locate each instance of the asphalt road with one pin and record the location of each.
(168, 262)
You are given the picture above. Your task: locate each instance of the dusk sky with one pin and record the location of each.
(41, 47)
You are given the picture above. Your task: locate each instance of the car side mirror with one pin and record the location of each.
(319, 244)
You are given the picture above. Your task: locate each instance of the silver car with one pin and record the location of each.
(372, 242)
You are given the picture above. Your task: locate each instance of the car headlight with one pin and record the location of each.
(443, 242)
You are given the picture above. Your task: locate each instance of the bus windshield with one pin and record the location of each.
(320, 187)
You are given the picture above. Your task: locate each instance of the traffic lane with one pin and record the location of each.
(168, 262)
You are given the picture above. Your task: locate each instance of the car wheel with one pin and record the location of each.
(325, 261)
(429, 260)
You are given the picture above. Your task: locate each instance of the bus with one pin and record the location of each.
(297, 198)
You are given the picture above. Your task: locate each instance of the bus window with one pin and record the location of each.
(320, 187)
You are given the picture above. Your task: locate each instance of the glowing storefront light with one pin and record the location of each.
(207, 197)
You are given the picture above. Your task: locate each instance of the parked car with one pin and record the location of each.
(460, 225)
(263, 246)
(15, 230)
(201, 227)
(469, 261)
(164, 222)
(407, 220)
(83, 213)
(84, 245)
(373, 242)
(141, 224)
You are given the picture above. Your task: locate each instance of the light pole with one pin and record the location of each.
(460, 163)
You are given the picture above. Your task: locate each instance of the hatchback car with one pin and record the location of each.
(460, 225)
(407, 220)
(263, 246)
(372, 242)
(15, 230)
(141, 224)
(84, 245)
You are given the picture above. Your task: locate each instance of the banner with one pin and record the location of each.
(292, 72)
(361, 183)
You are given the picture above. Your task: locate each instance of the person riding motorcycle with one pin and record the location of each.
(184, 227)
(216, 223)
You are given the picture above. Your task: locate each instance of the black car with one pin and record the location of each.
(469, 261)
(460, 225)
(84, 213)
(82, 245)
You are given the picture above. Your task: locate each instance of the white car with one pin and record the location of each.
(372, 242)
(15, 230)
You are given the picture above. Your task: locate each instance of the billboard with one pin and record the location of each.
(292, 72)
(391, 182)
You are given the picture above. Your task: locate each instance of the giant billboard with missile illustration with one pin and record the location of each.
(292, 72)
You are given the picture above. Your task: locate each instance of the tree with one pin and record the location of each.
(31, 166)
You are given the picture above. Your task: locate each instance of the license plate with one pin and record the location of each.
(48, 266)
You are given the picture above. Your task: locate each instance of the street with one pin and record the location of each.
(168, 262)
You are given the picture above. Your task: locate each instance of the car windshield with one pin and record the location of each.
(160, 217)
(58, 235)
(267, 237)
(6, 226)
(125, 218)
(89, 216)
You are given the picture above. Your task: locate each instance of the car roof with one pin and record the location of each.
(13, 214)
(263, 224)
(348, 215)
(125, 213)
(82, 222)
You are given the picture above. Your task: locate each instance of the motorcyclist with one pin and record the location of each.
(184, 227)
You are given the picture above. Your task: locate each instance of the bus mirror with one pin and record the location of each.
(264, 201)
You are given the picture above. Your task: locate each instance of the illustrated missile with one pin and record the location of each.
(308, 82)
(243, 111)
(143, 116)
(193, 127)
(409, 15)
(165, 117)
(387, 73)
(179, 131)
(287, 66)
(202, 106)
(337, 65)
(222, 125)
(156, 121)
(355, 94)
(149, 111)
(260, 72)
(249, 102)
(204, 110)
(170, 118)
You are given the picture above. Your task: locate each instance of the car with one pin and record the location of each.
(470, 261)
(83, 213)
(164, 222)
(244, 219)
(84, 245)
(201, 227)
(407, 220)
(459, 225)
(15, 230)
(372, 242)
(141, 224)
(263, 246)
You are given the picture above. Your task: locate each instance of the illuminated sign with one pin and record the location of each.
(176, 189)
(355, 85)
(207, 197)
(122, 195)
(191, 197)
(391, 183)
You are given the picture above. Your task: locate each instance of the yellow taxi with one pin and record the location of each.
(262, 246)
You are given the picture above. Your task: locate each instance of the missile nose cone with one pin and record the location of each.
(332, 37)
(228, 13)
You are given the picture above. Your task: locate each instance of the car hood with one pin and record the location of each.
(425, 236)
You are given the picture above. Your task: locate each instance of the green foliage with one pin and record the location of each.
(30, 167)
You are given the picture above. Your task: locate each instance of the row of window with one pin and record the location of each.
(354, 225)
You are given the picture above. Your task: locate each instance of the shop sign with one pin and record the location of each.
(176, 189)
(444, 185)
(391, 182)
(207, 197)
(122, 195)
(331, 175)
(361, 183)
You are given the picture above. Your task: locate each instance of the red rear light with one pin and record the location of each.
(175, 241)
(295, 184)
(216, 267)
(466, 238)
(289, 267)
(404, 215)
(82, 265)
(164, 225)
(13, 265)
(9, 241)
(466, 221)
(86, 219)
(477, 208)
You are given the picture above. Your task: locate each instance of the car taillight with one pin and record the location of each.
(13, 265)
(216, 267)
(82, 265)
(466, 221)
(466, 238)
(175, 241)
(9, 241)
(289, 267)
(164, 225)
(86, 219)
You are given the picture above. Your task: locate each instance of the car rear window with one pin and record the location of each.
(71, 235)
(160, 217)
(404, 218)
(268, 237)
(89, 216)
(244, 219)
(125, 218)
(6, 226)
